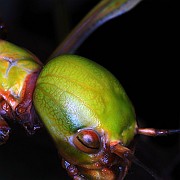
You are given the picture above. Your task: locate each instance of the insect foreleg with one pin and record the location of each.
(5, 113)
(126, 155)
(72, 170)
(4, 131)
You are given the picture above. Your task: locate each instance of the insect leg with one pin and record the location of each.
(126, 155)
(72, 170)
(4, 131)
(5, 113)
(25, 113)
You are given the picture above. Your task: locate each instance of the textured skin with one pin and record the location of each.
(19, 70)
(15, 66)
(74, 93)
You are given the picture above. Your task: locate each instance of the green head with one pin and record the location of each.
(84, 108)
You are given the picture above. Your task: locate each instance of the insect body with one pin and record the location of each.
(83, 106)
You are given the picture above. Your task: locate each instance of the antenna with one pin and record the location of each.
(156, 132)
(127, 155)
(148, 170)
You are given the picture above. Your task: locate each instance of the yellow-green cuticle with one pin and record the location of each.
(16, 64)
(73, 93)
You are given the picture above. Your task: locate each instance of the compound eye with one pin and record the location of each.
(87, 140)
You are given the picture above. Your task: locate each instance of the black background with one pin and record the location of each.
(141, 48)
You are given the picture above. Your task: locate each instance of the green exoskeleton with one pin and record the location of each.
(81, 104)
(89, 116)
(87, 112)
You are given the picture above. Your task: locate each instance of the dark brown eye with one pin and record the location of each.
(87, 141)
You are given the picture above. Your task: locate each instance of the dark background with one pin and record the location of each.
(141, 48)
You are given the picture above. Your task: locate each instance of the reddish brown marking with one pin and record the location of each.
(24, 111)
(6, 95)
(5, 109)
(21, 109)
